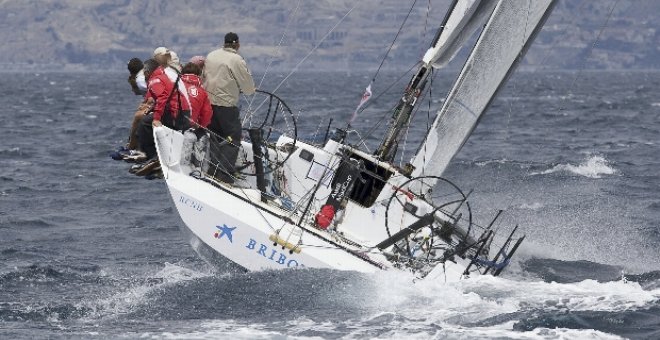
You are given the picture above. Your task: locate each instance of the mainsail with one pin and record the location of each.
(503, 42)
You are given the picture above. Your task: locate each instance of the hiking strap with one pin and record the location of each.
(174, 88)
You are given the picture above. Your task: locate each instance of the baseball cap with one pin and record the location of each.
(161, 51)
(231, 37)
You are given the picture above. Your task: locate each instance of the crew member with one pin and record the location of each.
(169, 109)
(135, 65)
(199, 61)
(226, 75)
(199, 100)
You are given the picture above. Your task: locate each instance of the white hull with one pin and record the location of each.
(231, 226)
(235, 223)
(334, 206)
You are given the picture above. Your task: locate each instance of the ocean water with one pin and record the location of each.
(89, 251)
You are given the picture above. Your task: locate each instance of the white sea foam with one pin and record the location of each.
(237, 330)
(401, 309)
(492, 161)
(11, 150)
(531, 206)
(587, 295)
(454, 305)
(594, 167)
(537, 333)
(127, 300)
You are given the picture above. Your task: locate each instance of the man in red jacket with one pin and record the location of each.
(170, 109)
(167, 100)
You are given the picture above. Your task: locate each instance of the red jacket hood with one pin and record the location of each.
(157, 72)
(192, 79)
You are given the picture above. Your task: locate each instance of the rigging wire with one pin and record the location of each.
(364, 104)
(522, 43)
(591, 49)
(428, 120)
(426, 23)
(295, 68)
(373, 79)
(386, 113)
(286, 27)
(564, 33)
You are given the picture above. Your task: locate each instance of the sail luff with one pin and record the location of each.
(452, 7)
(461, 21)
(501, 45)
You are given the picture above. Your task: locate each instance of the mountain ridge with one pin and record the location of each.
(280, 33)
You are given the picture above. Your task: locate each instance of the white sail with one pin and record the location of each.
(502, 43)
(463, 18)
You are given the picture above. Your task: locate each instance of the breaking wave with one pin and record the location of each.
(594, 167)
(531, 206)
(330, 304)
(391, 306)
(133, 293)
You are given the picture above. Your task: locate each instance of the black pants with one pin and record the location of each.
(145, 133)
(226, 126)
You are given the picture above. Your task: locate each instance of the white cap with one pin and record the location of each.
(174, 57)
(161, 51)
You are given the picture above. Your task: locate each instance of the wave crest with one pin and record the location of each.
(594, 167)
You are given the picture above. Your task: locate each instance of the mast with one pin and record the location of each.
(460, 21)
(387, 149)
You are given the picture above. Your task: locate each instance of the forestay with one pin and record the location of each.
(501, 45)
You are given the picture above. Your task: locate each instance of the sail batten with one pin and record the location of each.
(508, 33)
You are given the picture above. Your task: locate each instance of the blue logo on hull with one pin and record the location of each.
(262, 250)
(224, 230)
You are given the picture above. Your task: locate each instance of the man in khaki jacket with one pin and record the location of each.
(226, 75)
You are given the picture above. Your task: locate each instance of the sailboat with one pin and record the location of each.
(332, 205)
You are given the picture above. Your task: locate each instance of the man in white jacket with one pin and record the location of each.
(226, 75)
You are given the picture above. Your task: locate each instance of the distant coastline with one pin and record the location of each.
(108, 33)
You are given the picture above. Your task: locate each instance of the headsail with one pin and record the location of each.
(462, 19)
(503, 42)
